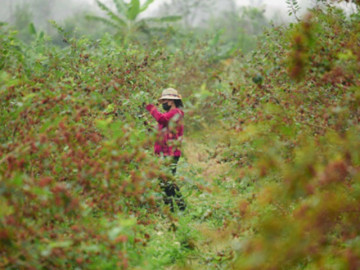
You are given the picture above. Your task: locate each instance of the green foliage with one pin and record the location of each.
(293, 7)
(22, 22)
(126, 21)
(298, 140)
(76, 150)
(271, 164)
(237, 29)
(189, 10)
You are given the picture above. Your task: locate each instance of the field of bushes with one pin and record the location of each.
(271, 163)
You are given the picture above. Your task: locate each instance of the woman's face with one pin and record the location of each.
(167, 104)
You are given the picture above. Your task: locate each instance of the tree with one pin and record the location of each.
(192, 11)
(125, 20)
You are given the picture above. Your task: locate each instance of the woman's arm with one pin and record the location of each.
(162, 118)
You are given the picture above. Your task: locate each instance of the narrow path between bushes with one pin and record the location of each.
(200, 237)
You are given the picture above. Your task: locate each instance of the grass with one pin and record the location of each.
(199, 237)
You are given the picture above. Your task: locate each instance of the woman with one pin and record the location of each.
(170, 133)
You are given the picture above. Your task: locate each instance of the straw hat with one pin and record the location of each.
(170, 93)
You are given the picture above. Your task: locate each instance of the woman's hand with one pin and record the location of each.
(149, 107)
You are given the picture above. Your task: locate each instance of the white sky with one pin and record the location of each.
(272, 6)
(275, 9)
(278, 4)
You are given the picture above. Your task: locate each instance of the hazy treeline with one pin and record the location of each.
(41, 10)
(221, 23)
(20, 13)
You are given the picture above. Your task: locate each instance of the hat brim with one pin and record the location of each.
(170, 97)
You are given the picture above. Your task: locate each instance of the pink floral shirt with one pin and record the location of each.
(170, 131)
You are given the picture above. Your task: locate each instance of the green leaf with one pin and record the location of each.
(134, 10)
(29, 96)
(103, 20)
(146, 5)
(110, 108)
(110, 13)
(90, 248)
(163, 19)
(32, 29)
(120, 6)
(5, 208)
(61, 244)
(346, 55)
(103, 124)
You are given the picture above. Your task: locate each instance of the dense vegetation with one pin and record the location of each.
(271, 169)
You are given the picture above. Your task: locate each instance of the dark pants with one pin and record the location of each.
(172, 191)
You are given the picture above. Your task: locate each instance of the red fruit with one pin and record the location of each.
(4, 235)
(75, 228)
(45, 181)
(121, 239)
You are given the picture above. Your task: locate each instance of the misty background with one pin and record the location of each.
(59, 10)
(224, 25)
(275, 11)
